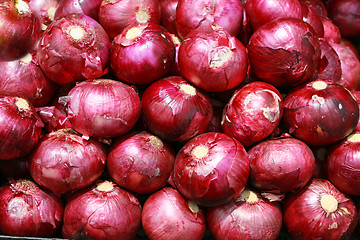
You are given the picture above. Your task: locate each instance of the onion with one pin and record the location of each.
(87, 49)
(102, 211)
(212, 59)
(331, 31)
(90, 8)
(313, 112)
(44, 10)
(191, 14)
(116, 15)
(53, 118)
(140, 162)
(142, 54)
(211, 169)
(253, 113)
(284, 52)
(284, 164)
(316, 5)
(24, 76)
(351, 45)
(356, 94)
(175, 71)
(312, 18)
(248, 217)
(28, 210)
(63, 161)
(175, 110)
(103, 108)
(261, 12)
(20, 126)
(168, 215)
(319, 211)
(330, 66)
(168, 14)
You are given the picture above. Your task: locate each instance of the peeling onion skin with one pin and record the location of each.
(253, 113)
(312, 18)
(192, 14)
(103, 108)
(140, 162)
(212, 59)
(245, 218)
(29, 211)
(167, 215)
(305, 218)
(64, 162)
(211, 169)
(175, 110)
(87, 45)
(103, 214)
(87, 7)
(284, 52)
(314, 111)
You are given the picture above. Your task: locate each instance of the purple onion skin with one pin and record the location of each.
(312, 18)
(214, 177)
(90, 8)
(168, 14)
(168, 215)
(26, 210)
(44, 10)
(314, 111)
(97, 214)
(316, 5)
(305, 218)
(330, 65)
(331, 31)
(87, 51)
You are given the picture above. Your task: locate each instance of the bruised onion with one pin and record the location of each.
(87, 49)
(87, 7)
(168, 14)
(103, 108)
(313, 112)
(250, 216)
(28, 210)
(319, 211)
(102, 211)
(211, 169)
(168, 215)
(175, 110)
(330, 66)
(212, 59)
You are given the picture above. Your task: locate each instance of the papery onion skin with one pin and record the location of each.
(87, 7)
(144, 57)
(317, 5)
(284, 164)
(192, 14)
(140, 162)
(331, 31)
(168, 14)
(211, 169)
(253, 113)
(314, 111)
(98, 212)
(103, 108)
(53, 118)
(29, 211)
(175, 110)
(213, 60)
(330, 66)
(245, 218)
(305, 218)
(87, 47)
(284, 52)
(21, 127)
(312, 18)
(168, 215)
(63, 161)
(20, 29)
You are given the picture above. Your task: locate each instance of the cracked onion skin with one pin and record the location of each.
(314, 111)
(319, 211)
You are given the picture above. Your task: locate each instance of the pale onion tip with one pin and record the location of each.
(156, 142)
(329, 203)
(22, 104)
(249, 196)
(218, 56)
(105, 186)
(133, 33)
(76, 32)
(27, 58)
(22, 7)
(142, 16)
(354, 137)
(193, 207)
(200, 151)
(51, 13)
(319, 85)
(188, 89)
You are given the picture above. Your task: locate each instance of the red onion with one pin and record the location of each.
(24, 76)
(20, 126)
(253, 113)
(44, 10)
(245, 31)
(53, 118)
(191, 14)
(351, 45)
(87, 49)
(116, 15)
(212, 59)
(103, 108)
(168, 215)
(211, 169)
(20, 29)
(175, 71)
(331, 31)
(102, 211)
(249, 217)
(168, 14)
(312, 18)
(28, 210)
(319, 211)
(63, 161)
(90, 8)
(142, 54)
(313, 112)
(261, 12)
(356, 94)
(140, 162)
(316, 5)
(175, 110)
(330, 66)
(284, 52)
